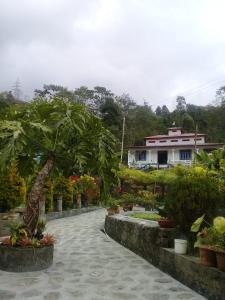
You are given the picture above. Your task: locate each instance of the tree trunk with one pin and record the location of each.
(36, 197)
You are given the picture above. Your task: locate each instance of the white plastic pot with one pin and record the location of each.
(180, 246)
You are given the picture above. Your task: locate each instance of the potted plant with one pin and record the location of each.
(219, 226)
(166, 223)
(207, 239)
(114, 207)
(21, 253)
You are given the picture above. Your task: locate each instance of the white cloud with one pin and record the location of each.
(152, 49)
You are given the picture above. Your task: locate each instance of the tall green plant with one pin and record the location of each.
(54, 134)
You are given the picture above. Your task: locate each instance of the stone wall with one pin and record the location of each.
(69, 213)
(146, 239)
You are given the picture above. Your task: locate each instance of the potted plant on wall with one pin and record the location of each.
(219, 226)
(211, 241)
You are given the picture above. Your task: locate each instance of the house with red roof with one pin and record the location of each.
(174, 148)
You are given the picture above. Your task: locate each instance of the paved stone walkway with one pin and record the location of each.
(90, 266)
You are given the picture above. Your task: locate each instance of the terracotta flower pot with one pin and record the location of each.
(207, 256)
(113, 210)
(220, 259)
(165, 223)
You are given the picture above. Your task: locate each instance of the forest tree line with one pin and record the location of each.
(141, 120)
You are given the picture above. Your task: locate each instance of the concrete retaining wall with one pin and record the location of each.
(146, 239)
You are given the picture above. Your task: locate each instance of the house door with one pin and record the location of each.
(162, 157)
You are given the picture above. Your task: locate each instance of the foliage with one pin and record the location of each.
(213, 235)
(60, 134)
(212, 161)
(193, 193)
(84, 183)
(147, 178)
(146, 199)
(135, 176)
(19, 236)
(13, 189)
(219, 225)
(47, 240)
(150, 216)
(64, 187)
(18, 232)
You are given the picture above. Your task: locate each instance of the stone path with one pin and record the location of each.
(90, 266)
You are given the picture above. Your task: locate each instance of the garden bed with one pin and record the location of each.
(155, 244)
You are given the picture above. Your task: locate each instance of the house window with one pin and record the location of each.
(174, 140)
(162, 141)
(185, 154)
(185, 140)
(140, 155)
(151, 142)
(198, 139)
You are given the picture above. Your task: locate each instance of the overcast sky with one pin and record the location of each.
(152, 49)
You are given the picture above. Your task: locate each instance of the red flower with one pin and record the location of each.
(74, 178)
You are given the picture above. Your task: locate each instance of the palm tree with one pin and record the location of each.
(50, 134)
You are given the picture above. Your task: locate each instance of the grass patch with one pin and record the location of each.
(152, 217)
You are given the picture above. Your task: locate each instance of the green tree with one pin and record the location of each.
(54, 134)
(158, 111)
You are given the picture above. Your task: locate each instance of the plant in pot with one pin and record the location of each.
(206, 240)
(127, 201)
(48, 134)
(219, 226)
(165, 221)
(113, 207)
(19, 252)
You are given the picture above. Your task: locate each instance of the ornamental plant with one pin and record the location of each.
(212, 236)
(84, 184)
(19, 236)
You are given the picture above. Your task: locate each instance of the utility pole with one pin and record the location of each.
(196, 131)
(122, 143)
(17, 89)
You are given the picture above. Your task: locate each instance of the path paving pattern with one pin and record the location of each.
(90, 266)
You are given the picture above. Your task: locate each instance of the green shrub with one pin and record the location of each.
(12, 189)
(193, 193)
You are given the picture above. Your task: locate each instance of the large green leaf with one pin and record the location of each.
(196, 225)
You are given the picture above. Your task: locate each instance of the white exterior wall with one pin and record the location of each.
(168, 141)
(152, 157)
(172, 132)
